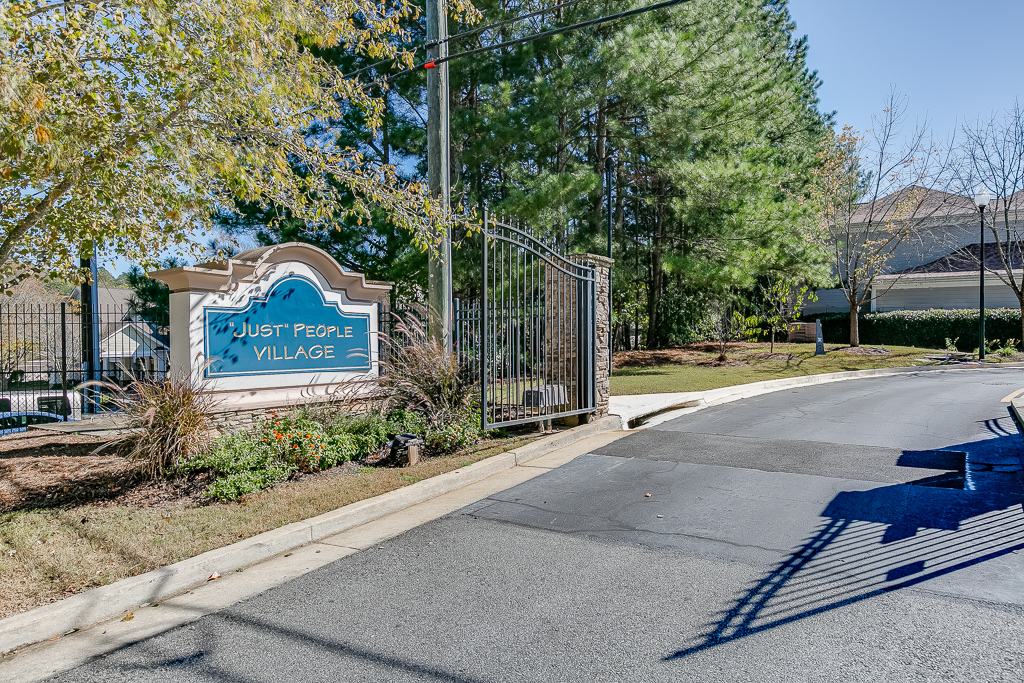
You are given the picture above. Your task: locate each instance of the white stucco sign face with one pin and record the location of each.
(276, 325)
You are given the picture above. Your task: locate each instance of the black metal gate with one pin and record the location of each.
(538, 353)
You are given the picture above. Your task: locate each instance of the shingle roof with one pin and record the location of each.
(932, 203)
(965, 259)
(108, 296)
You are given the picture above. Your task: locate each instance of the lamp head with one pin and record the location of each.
(981, 197)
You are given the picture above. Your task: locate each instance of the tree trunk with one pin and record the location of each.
(657, 285)
(385, 140)
(854, 325)
(600, 155)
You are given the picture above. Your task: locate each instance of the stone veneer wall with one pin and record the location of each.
(602, 269)
(234, 420)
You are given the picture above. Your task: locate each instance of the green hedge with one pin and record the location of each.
(928, 329)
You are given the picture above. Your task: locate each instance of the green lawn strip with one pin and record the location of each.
(49, 554)
(673, 377)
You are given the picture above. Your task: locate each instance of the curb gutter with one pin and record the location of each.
(1017, 410)
(635, 419)
(105, 602)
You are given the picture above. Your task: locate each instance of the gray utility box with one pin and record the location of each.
(546, 396)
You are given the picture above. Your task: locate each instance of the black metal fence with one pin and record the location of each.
(538, 337)
(45, 348)
(465, 330)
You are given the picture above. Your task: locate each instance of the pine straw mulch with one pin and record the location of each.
(772, 356)
(705, 354)
(738, 354)
(44, 469)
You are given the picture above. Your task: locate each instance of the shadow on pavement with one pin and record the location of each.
(202, 663)
(873, 542)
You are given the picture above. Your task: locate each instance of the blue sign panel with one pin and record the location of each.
(291, 329)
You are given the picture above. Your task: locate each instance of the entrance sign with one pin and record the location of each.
(292, 329)
(274, 326)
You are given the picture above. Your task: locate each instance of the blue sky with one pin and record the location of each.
(953, 60)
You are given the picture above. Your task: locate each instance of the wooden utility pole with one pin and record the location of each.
(439, 274)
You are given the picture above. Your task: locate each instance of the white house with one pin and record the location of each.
(129, 346)
(937, 266)
(134, 350)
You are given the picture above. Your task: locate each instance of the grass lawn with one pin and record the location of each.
(693, 368)
(49, 554)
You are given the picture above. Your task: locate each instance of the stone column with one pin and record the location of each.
(602, 271)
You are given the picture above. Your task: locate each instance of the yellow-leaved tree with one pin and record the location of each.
(128, 123)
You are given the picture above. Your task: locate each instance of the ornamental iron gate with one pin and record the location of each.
(538, 352)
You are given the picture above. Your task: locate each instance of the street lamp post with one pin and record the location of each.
(981, 199)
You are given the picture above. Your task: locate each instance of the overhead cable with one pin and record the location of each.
(538, 36)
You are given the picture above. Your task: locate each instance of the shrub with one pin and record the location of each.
(928, 329)
(271, 451)
(451, 436)
(243, 463)
(305, 444)
(168, 421)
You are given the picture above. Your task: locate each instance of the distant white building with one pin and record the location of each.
(134, 350)
(937, 267)
(130, 348)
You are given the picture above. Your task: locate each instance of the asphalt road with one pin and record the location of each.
(869, 530)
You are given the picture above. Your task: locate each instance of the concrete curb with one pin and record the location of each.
(712, 397)
(1017, 410)
(99, 604)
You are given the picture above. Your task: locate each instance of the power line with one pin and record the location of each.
(471, 32)
(538, 36)
(499, 24)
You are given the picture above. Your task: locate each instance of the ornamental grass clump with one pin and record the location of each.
(168, 421)
(421, 375)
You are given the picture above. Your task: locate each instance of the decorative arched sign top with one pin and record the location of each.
(249, 266)
(276, 325)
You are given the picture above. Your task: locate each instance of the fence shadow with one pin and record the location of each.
(873, 542)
